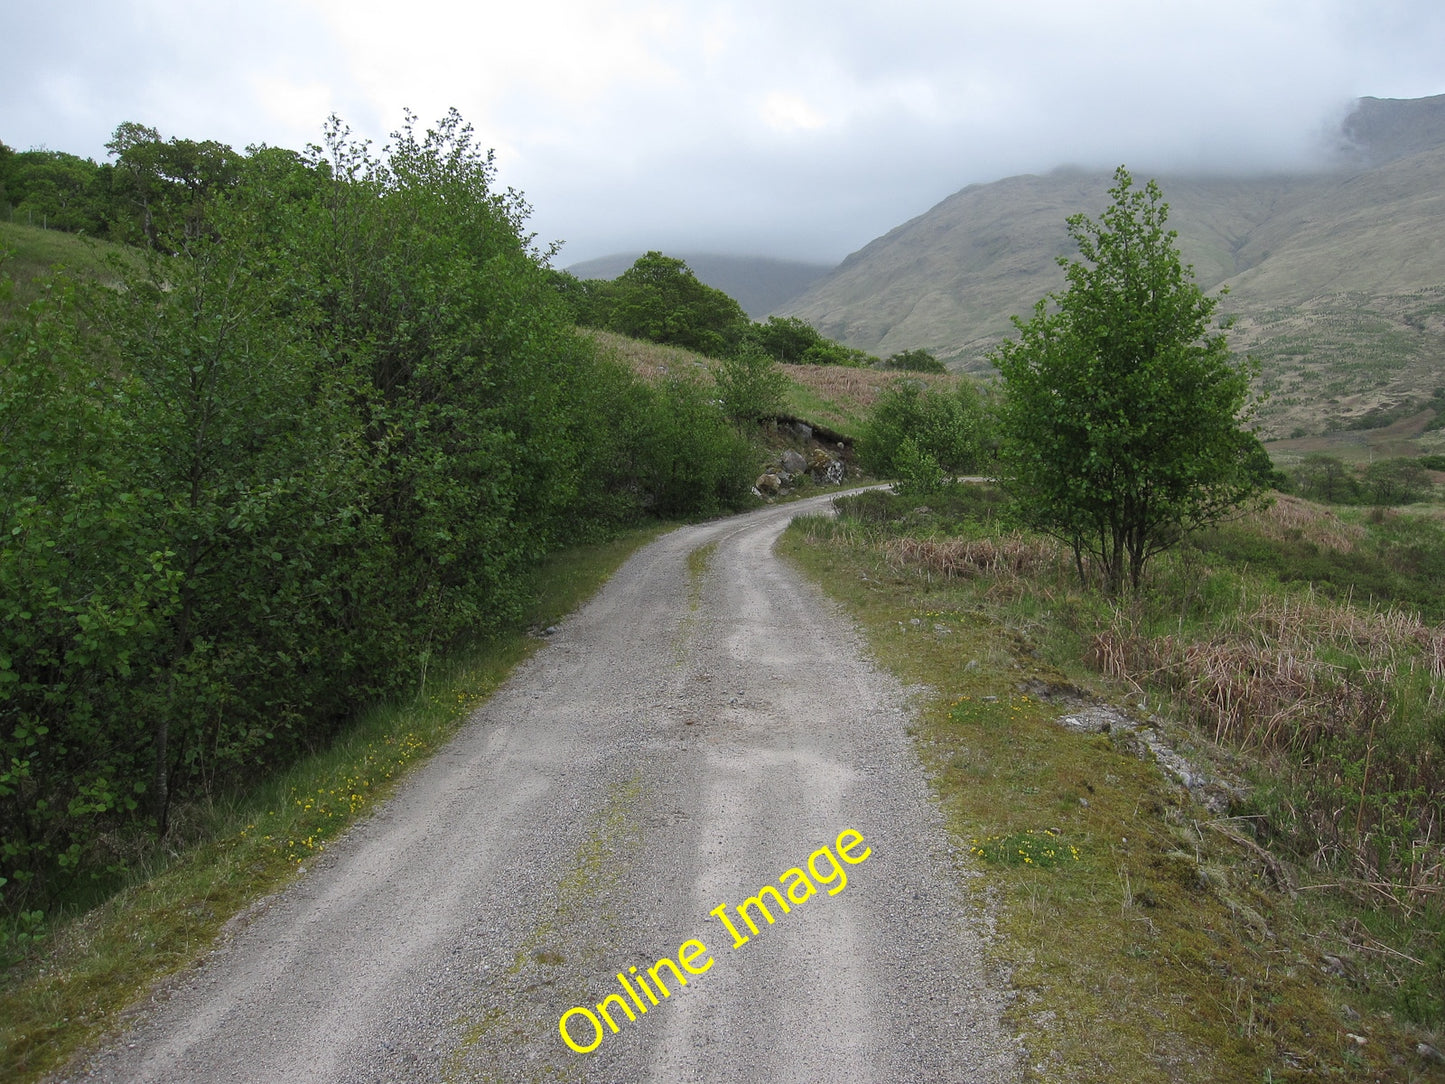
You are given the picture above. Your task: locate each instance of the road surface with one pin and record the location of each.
(698, 731)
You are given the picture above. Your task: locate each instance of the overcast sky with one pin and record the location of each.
(787, 128)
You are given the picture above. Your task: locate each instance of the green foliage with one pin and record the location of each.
(947, 428)
(1396, 481)
(1326, 478)
(56, 190)
(918, 471)
(786, 338)
(660, 299)
(317, 433)
(828, 352)
(1120, 422)
(752, 387)
(679, 454)
(916, 361)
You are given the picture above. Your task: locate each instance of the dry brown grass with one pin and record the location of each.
(1010, 555)
(861, 387)
(653, 361)
(1288, 519)
(1328, 691)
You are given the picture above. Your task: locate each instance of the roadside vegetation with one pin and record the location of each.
(225, 854)
(1194, 739)
(271, 459)
(1285, 917)
(289, 462)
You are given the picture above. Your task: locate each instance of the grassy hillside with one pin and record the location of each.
(1336, 280)
(28, 254)
(836, 396)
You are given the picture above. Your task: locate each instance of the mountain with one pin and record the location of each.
(760, 285)
(1336, 278)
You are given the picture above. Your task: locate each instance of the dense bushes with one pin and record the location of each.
(1328, 478)
(318, 434)
(920, 435)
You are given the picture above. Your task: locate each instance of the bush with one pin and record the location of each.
(947, 427)
(917, 361)
(751, 386)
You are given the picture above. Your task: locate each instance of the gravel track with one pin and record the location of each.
(682, 741)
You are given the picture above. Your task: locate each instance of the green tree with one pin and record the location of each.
(1397, 481)
(1121, 420)
(912, 424)
(1326, 478)
(917, 361)
(786, 338)
(659, 298)
(751, 386)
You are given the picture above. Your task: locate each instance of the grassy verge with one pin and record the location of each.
(1148, 936)
(73, 986)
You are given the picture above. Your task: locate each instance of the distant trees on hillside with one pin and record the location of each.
(660, 299)
(1328, 478)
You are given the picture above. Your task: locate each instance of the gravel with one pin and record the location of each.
(678, 743)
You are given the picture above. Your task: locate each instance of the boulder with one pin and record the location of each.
(826, 467)
(768, 484)
(793, 462)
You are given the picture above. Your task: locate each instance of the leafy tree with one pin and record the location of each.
(828, 352)
(168, 184)
(1326, 478)
(660, 299)
(58, 190)
(1121, 421)
(910, 423)
(1396, 481)
(917, 361)
(786, 338)
(918, 471)
(752, 387)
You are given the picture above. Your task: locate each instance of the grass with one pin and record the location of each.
(1148, 937)
(73, 986)
(28, 254)
(837, 396)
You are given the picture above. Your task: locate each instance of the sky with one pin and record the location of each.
(785, 128)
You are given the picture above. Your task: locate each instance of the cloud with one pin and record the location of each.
(799, 129)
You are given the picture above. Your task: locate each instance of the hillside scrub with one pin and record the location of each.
(1331, 708)
(307, 439)
(915, 433)
(661, 300)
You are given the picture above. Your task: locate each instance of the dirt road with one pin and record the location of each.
(696, 732)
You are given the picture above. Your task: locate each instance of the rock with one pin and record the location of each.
(793, 462)
(768, 484)
(824, 466)
(1429, 1053)
(804, 431)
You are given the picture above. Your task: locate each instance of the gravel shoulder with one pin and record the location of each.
(696, 731)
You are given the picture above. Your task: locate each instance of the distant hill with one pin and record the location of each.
(1336, 278)
(761, 286)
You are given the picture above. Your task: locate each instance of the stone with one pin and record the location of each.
(768, 484)
(826, 467)
(793, 462)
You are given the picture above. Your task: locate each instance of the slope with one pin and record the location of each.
(1336, 278)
